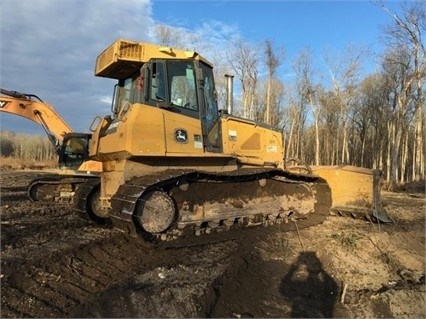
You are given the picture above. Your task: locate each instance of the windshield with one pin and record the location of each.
(172, 83)
(182, 84)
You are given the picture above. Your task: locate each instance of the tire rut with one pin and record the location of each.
(65, 262)
(70, 281)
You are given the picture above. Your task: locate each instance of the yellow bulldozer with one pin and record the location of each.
(174, 164)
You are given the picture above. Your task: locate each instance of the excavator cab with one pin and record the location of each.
(74, 150)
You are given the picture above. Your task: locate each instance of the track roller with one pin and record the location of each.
(155, 212)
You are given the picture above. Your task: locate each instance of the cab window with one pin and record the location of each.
(182, 85)
(129, 91)
(74, 151)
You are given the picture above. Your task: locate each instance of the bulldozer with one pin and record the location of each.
(56, 185)
(175, 165)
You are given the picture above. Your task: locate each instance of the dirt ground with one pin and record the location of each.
(56, 264)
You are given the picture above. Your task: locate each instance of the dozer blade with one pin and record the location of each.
(354, 190)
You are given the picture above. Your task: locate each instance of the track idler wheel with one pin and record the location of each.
(156, 212)
(94, 209)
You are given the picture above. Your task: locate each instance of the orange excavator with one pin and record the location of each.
(57, 185)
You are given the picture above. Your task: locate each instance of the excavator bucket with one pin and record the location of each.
(354, 190)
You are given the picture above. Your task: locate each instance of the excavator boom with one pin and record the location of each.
(31, 107)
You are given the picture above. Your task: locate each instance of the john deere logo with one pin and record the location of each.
(3, 103)
(181, 136)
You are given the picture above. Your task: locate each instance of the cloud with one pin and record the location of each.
(49, 48)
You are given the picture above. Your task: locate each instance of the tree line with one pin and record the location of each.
(26, 147)
(335, 115)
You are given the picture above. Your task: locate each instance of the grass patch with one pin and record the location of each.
(347, 239)
(274, 247)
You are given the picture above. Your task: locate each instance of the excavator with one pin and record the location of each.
(59, 185)
(175, 165)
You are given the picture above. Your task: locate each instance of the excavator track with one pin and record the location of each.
(56, 188)
(176, 204)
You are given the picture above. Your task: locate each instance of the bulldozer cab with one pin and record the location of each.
(185, 87)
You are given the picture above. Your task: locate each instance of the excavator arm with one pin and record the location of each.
(30, 106)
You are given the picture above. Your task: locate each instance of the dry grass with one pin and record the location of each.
(275, 247)
(13, 163)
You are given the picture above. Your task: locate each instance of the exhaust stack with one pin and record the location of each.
(229, 93)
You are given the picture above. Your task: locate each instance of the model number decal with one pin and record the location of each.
(232, 135)
(271, 149)
(198, 141)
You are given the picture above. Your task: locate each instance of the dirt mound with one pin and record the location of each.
(56, 264)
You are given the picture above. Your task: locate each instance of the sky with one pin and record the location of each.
(49, 47)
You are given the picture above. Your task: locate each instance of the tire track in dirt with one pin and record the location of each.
(54, 262)
(58, 276)
(48, 264)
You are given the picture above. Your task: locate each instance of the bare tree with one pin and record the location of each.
(181, 38)
(272, 91)
(330, 106)
(24, 146)
(396, 68)
(165, 35)
(272, 63)
(243, 61)
(370, 119)
(293, 114)
(278, 89)
(406, 31)
(308, 93)
(344, 72)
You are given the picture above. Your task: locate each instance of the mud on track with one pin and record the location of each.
(56, 264)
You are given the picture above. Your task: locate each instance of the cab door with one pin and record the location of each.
(182, 116)
(209, 112)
